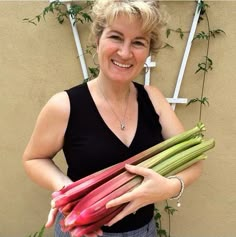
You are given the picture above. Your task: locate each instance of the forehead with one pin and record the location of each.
(130, 25)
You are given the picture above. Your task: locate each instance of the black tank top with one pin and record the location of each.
(89, 144)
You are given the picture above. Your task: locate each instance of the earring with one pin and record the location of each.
(94, 62)
(147, 68)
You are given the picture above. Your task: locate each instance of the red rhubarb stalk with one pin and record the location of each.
(83, 186)
(80, 231)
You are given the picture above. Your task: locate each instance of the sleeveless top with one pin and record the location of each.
(89, 144)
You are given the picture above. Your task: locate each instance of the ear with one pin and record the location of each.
(97, 41)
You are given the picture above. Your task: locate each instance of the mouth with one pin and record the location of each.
(121, 65)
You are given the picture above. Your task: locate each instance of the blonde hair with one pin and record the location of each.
(104, 12)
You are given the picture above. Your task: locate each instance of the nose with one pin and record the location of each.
(125, 51)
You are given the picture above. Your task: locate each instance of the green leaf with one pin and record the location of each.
(35, 234)
(203, 101)
(181, 33)
(166, 45)
(192, 101)
(94, 71)
(157, 216)
(162, 232)
(170, 210)
(41, 231)
(213, 33)
(168, 33)
(202, 7)
(201, 67)
(209, 63)
(201, 35)
(87, 17)
(38, 17)
(60, 19)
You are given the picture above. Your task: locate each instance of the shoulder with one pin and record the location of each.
(158, 100)
(170, 123)
(51, 124)
(58, 106)
(153, 91)
(59, 101)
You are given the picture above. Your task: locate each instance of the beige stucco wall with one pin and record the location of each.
(38, 61)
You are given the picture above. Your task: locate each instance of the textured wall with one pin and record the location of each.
(38, 61)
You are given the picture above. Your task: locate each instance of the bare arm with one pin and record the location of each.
(172, 126)
(45, 142)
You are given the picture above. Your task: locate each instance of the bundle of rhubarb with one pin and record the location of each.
(83, 202)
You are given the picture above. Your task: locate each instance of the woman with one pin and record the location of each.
(111, 118)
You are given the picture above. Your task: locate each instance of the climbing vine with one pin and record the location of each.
(78, 12)
(206, 64)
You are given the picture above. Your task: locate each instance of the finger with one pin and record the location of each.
(125, 212)
(91, 235)
(125, 198)
(99, 232)
(94, 234)
(138, 170)
(51, 217)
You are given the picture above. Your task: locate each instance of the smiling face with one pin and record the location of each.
(122, 49)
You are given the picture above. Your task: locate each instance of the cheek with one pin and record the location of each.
(106, 51)
(142, 58)
(142, 55)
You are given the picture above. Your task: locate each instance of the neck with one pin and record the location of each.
(117, 107)
(114, 91)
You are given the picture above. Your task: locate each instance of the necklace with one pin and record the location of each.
(121, 121)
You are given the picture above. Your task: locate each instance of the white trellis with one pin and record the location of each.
(175, 99)
(186, 54)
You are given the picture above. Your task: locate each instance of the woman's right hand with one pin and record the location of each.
(51, 217)
(96, 233)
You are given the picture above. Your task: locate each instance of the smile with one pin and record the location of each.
(121, 65)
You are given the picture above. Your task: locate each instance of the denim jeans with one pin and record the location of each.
(148, 230)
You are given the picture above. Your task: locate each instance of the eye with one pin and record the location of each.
(115, 37)
(140, 43)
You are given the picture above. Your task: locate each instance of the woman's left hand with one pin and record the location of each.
(154, 188)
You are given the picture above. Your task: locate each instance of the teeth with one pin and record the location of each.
(121, 65)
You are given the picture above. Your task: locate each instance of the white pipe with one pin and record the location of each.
(186, 53)
(78, 45)
(148, 65)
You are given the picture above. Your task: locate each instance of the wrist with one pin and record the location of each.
(63, 182)
(177, 188)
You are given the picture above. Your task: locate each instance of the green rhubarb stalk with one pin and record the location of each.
(181, 158)
(174, 164)
(187, 165)
(156, 159)
(113, 184)
(83, 186)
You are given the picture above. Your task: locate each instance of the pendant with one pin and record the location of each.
(122, 126)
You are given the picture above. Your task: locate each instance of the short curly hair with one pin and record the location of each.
(104, 12)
